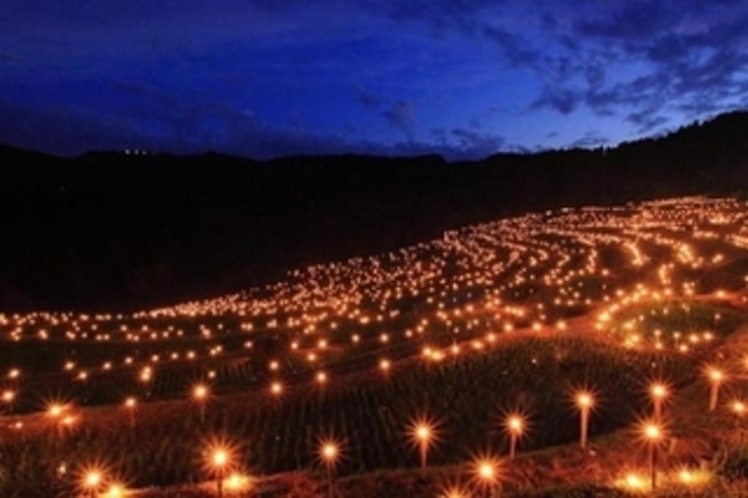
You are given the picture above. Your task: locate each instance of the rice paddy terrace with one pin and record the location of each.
(468, 356)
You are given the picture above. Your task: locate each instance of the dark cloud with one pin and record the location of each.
(513, 46)
(636, 20)
(440, 135)
(595, 76)
(401, 116)
(482, 144)
(466, 17)
(462, 143)
(692, 54)
(646, 120)
(696, 74)
(548, 22)
(469, 147)
(562, 100)
(68, 132)
(648, 62)
(443, 16)
(589, 140)
(704, 107)
(367, 99)
(645, 92)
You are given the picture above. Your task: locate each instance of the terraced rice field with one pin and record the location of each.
(418, 357)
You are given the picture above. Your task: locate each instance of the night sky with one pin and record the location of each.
(463, 78)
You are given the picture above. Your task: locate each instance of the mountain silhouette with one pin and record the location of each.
(117, 231)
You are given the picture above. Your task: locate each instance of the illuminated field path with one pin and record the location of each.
(515, 315)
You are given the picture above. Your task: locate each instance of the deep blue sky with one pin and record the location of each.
(264, 78)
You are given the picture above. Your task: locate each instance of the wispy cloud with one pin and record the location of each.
(426, 73)
(686, 56)
(590, 139)
(401, 115)
(367, 99)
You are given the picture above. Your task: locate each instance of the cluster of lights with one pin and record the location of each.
(637, 481)
(95, 482)
(418, 272)
(328, 311)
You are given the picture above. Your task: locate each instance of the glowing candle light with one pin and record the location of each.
(423, 435)
(219, 460)
(384, 365)
(115, 490)
(329, 454)
(200, 394)
(7, 398)
(515, 426)
(585, 401)
(91, 481)
(55, 410)
(130, 404)
(739, 408)
(453, 491)
(276, 389)
(659, 392)
(485, 470)
(652, 432)
(236, 482)
(321, 378)
(715, 377)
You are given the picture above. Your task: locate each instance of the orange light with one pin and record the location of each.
(200, 392)
(220, 458)
(585, 400)
(423, 435)
(652, 432)
(453, 491)
(486, 471)
(329, 451)
(55, 410)
(115, 491)
(515, 424)
(658, 390)
(236, 482)
(738, 408)
(92, 479)
(715, 375)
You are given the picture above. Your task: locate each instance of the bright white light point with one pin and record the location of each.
(423, 432)
(200, 391)
(658, 391)
(652, 431)
(515, 424)
(584, 400)
(93, 478)
(486, 471)
(220, 457)
(329, 451)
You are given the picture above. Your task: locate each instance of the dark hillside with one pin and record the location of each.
(109, 230)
